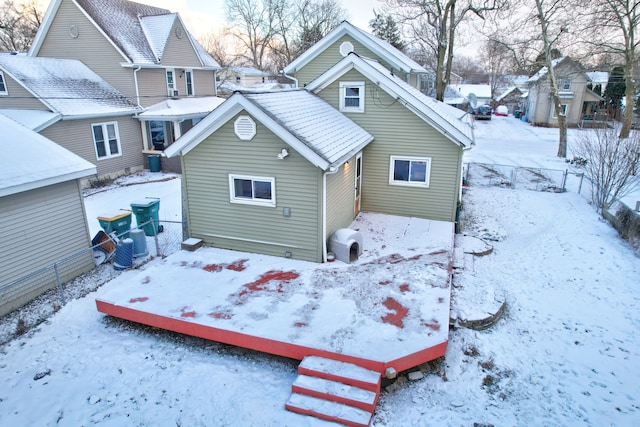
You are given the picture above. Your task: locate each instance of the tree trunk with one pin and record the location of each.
(629, 94)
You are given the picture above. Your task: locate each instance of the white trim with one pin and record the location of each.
(105, 135)
(553, 110)
(173, 87)
(408, 182)
(343, 96)
(189, 72)
(253, 200)
(4, 83)
(245, 128)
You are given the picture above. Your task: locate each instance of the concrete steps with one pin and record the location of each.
(335, 391)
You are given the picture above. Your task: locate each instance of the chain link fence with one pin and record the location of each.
(82, 272)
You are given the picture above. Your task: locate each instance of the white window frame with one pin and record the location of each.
(566, 83)
(170, 86)
(106, 143)
(253, 200)
(553, 110)
(190, 89)
(408, 183)
(3, 82)
(343, 95)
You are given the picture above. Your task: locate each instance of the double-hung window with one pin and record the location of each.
(106, 140)
(3, 85)
(352, 97)
(563, 110)
(188, 77)
(566, 84)
(171, 82)
(410, 171)
(252, 190)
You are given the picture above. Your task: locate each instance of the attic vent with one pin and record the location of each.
(245, 128)
(346, 48)
(73, 31)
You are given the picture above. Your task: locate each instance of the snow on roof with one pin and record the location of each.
(507, 92)
(598, 77)
(67, 86)
(182, 108)
(450, 121)
(543, 71)
(157, 29)
(32, 161)
(249, 71)
(481, 91)
(311, 126)
(36, 120)
(383, 49)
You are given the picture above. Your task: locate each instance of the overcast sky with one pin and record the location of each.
(204, 16)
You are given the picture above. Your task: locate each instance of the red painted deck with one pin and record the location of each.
(388, 310)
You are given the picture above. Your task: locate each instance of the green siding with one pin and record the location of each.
(298, 186)
(331, 56)
(400, 132)
(340, 197)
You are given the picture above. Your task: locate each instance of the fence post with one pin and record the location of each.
(60, 289)
(581, 179)
(514, 178)
(564, 180)
(155, 237)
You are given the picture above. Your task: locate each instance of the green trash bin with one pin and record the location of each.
(120, 223)
(154, 163)
(147, 215)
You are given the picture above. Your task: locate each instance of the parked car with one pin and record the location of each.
(502, 110)
(483, 112)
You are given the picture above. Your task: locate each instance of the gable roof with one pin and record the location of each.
(67, 86)
(450, 121)
(542, 72)
(312, 127)
(138, 31)
(32, 161)
(390, 54)
(507, 92)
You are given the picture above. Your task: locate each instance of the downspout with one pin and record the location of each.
(135, 79)
(332, 170)
(290, 77)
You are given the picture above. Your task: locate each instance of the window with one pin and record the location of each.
(563, 110)
(566, 84)
(411, 171)
(238, 79)
(171, 83)
(3, 85)
(106, 140)
(252, 190)
(188, 77)
(352, 97)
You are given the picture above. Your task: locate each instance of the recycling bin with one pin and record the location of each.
(120, 223)
(154, 163)
(146, 212)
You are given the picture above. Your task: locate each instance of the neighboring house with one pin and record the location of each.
(143, 51)
(575, 98)
(482, 92)
(42, 217)
(243, 76)
(414, 165)
(346, 38)
(271, 173)
(512, 98)
(66, 102)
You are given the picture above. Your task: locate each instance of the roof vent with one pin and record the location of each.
(346, 48)
(245, 128)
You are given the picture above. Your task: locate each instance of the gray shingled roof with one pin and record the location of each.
(67, 86)
(313, 121)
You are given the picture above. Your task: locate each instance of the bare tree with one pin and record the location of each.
(19, 23)
(611, 27)
(612, 164)
(496, 58)
(434, 24)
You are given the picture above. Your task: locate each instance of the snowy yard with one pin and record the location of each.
(566, 352)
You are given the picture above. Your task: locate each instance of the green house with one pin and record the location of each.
(271, 173)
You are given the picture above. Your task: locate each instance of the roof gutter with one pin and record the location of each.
(98, 115)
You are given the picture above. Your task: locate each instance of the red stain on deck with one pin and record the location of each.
(400, 312)
(433, 325)
(385, 282)
(404, 287)
(300, 324)
(185, 313)
(138, 299)
(262, 284)
(238, 265)
(221, 315)
(146, 280)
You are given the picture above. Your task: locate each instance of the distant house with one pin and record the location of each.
(145, 52)
(576, 99)
(41, 215)
(244, 76)
(481, 92)
(68, 103)
(512, 98)
(271, 173)
(346, 38)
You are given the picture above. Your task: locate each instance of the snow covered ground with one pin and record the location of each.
(566, 352)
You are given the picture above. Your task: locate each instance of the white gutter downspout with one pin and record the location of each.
(332, 170)
(291, 77)
(135, 79)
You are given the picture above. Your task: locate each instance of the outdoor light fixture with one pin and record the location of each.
(284, 153)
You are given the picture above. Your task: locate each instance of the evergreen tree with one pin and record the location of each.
(386, 28)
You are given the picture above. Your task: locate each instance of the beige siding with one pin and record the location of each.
(250, 228)
(152, 84)
(179, 51)
(90, 47)
(19, 97)
(399, 132)
(331, 56)
(77, 137)
(38, 228)
(340, 197)
(204, 83)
